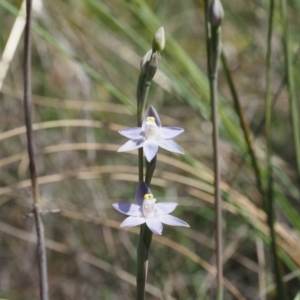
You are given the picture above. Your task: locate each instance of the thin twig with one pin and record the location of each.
(41, 249)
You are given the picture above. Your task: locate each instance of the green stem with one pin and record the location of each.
(142, 95)
(145, 233)
(213, 45)
(144, 243)
(291, 84)
(216, 36)
(269, 200)
(142, 260)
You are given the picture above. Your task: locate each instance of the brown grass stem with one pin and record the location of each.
(41, 248)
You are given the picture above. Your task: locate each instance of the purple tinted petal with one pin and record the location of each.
(133, 133)
(131, 145)
(164, 208)
(141, 191)
(173, 221)
(170, 146)
(150, 149)
(133, 221)
(151, 112)
(154, 225)
(130, 209)
(169, 132)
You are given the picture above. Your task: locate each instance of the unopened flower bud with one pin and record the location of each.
(145, 61)
(215, 13)
(159, 40)
(152, 67)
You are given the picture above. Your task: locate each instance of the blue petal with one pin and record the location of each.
(167, 133)
(150, 149)
(141, 191)
(131, 145)
(130, 209)
(170, 146)
(154, 225)
(133, 133)
(151, 112)
(171, 220)
(164, 208)
(133, 221)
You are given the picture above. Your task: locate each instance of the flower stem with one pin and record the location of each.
(150, 167)
(145, 233)
(213, 44)
(218, 201)
(41, 249)
(142, 260)
(142, 94)
(144, 243)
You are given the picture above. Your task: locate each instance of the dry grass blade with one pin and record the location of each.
(12, 43)
(50, 124)
(70, 104)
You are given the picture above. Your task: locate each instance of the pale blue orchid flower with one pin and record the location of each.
(151, 135)
(146, 210)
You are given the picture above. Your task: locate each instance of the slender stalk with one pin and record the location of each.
(217, 171)
(144, 82)
(144, 242)
(41, 249)
(269, 200)
(145, 233)
(142, 94)
(291, 85)
(213, 45)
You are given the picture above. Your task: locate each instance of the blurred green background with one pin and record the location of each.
(85, 67)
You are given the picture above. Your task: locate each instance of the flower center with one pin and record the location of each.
(150, 128)
(148, 206)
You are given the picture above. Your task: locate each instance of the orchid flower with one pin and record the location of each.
(147, 211)
(151, 135)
